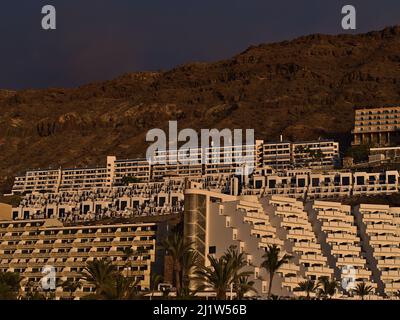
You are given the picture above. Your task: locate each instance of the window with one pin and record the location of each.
(392, 179)
(345, 181)
(360, 181)
(234, 234)
(302, 183)
(264, 286)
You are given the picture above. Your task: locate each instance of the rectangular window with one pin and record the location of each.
(212, 250)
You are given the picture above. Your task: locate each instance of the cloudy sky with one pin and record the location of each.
(101, 39)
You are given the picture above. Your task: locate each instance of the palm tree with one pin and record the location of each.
(9, 285)
(190, 262)
(329, 287)
(218, 277)
(139, 253)
(244, 286)
(177, 248)
(239, 261)
(130, 253)
(99, 273)
(308, 286)
(120, 288)
(362, 290)
(71, 286)
(272, 263)
(319, 155)
(156, 279)
(33, 291)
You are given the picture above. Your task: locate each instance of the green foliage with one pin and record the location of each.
(272, 262)
(183, 259)
(362, 290)
(224, 273)
(218, 277)
(34, 291)
(156, 279)
(121, 288)
(328, 287)
(99, 273)
(126, 180)
(71, 286)
(244, 286)
(358, 153)
(9, 285)
(308, 286)
(108, 282)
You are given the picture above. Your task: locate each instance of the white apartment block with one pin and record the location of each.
(380, 228)
(315, 154)
(335, 184)
(326, 239)
(338, 232)
(207, 162)
(322, 237)
(156, 198)
(321, 154)
(27, 246)
(214, 222)
(292, 224)
(376, 125)
(277, 155)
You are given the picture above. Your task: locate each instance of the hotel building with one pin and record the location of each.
(29, 245)
(152, 198)
(337, 231)
(210, 163)
(308, 185)
(377, 126)
(166, 196)
(380, 229)
(320, 154)
(324, 238)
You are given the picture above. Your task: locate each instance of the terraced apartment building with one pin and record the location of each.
(26, 246)
(326, 239)
(208, 162)
(380, 229)
(167, 195)
(378, 126)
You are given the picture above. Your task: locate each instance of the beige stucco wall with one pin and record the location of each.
(5, 212)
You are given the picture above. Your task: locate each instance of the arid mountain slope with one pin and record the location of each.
(303, 89)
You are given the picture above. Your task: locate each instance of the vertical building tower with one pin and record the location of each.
(378, 126)
(337, 230)
(380, 230)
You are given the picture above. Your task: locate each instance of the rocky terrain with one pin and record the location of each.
(303, 89)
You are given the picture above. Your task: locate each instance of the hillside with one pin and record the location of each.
(303, 89)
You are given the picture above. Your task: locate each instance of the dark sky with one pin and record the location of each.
(101, 39)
